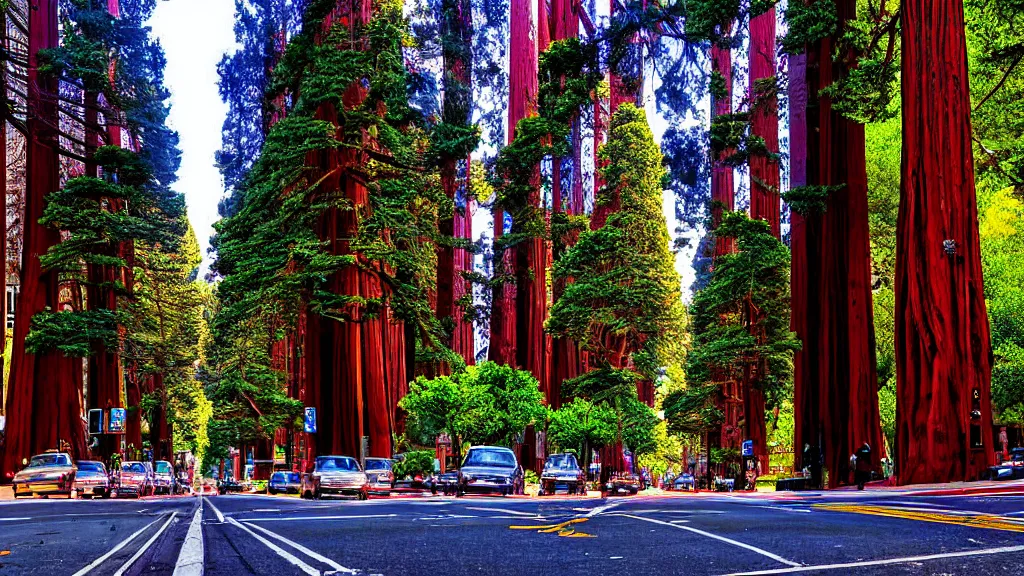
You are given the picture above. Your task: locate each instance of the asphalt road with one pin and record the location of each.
(835, 533)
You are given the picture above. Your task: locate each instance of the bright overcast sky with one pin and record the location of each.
(195, 34)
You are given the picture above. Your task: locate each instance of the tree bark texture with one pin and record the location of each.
(943, 350)
(43, 404)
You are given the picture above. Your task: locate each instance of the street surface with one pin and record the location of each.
(769, 533)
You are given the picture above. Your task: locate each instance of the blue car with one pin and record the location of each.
(284, 483)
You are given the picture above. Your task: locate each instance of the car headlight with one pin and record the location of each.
(508, 480)
(467, 477)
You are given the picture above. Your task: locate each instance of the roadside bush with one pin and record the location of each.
(419, 462)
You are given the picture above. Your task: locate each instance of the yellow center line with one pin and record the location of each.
(563, 529)
(986, 521)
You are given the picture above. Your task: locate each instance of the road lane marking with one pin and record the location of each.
(505, 510)
(278, 550)
(142, 549)
(787, 509)
(305, 518)
(760, 551)
(987, 521)
(563, 529)
(220, 517)
(303, 549)
(114, 550)
(13, 519)
(191, 556)
(887, 561)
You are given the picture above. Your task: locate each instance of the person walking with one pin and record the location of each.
(862, 467)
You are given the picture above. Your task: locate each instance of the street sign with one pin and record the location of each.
(115, 424)
(748, 447)
(309, 422)
(96, 421)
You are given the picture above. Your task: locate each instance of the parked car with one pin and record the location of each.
(229, 484)
(684, 481)
(380, 475)
(164, 481)
(447, 483)
(46, 474)
(623, 483)
(132, 479)
(335, 475)
(92, 479)
(1012, 469)
(284, 483)
(489, 470)
(562, 471)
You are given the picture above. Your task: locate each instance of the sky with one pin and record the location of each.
(195, 34)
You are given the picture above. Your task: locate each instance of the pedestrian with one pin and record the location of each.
(862, 465)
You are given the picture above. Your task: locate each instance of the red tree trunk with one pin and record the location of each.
(452, 262)
(43, 404)
(764, 191)
(943, 351)
(723, 191)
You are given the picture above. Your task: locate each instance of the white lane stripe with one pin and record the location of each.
(787, 509)
(603, 509)
(766, 553)
(13, 519)
(505, 510)
(277, 549)
(305, 518)
(114, 550)
(303, 549)
(142, 550)
(220, 517)
(191, 556)
(887, 561)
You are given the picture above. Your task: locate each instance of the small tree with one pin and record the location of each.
(488, 404)
(583, 426)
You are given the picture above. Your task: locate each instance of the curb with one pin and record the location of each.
(1016, 489)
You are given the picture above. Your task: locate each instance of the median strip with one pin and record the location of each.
(191, 557)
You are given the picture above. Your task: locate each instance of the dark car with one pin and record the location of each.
(335, 475)
(447, 483)
(229, 484)
(562, 471)
(380, 475)
(622, 483)
(92, 479)
(1012, 469)
(490, 470)
(284, 483)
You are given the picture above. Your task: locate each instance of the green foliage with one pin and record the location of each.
(808, 200)
(740, 325)
(487, 404)
(883, 145)
(624, 284)
(808, 23)
(582, 424)
(667, 452)
(415, 463)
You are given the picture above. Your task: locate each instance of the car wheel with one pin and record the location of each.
(316, 494)
(364, 496)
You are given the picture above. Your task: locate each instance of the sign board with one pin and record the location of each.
(309, 422)
(748, 447)
(96, 421)
(115, 424)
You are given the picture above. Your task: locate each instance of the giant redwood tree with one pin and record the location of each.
(943, 353)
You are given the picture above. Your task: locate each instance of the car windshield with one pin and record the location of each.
(49, 460)
(330, 463)
(484, 457)
(277, 477)
(561, 462)
(133, 467)
(163, 467)
(378, 465)
(90, 467)
(294, 477)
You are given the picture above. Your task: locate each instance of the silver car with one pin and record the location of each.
(45, 474)
(335, 475)
(163, 479)
(380, 475)
(92, 479)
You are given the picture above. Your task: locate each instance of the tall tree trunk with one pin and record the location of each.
(764, 190)
(43, 406)
(456, 110)
(943, 351)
